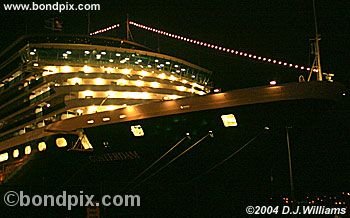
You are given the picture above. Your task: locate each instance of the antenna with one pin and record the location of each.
(128, 32)
(316, 65)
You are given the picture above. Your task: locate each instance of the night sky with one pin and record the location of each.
(276, 29)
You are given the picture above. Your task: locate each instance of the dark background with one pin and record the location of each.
(276, 29)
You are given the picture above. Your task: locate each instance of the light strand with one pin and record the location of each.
(223, 49)
(104, 29)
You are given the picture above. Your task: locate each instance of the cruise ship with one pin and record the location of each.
(110, 115)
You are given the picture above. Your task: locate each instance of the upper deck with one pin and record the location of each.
(44, 79)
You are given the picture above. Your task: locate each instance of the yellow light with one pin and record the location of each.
(184, 81)
(162, 76)
(27, 150)
(75, 80)
(4, 157)
(144, 73)
(139, 83)
(111, 107)
(51, 69)
(135, 95)
(229, 120)
(173, 97)
(61, 142)
(273, 82)
(155, 84)
(145, 95)
(99, 81)
(92, 109)
(42, 146)
(110, 70)
(106, 119)
(111, 94)
(172, 78)
(87, 69)
(66, 69)
(181, 88)
(122, 82)
(125, 71)
(88, 93)
(15, 153)
(137, 130)
(80, 111)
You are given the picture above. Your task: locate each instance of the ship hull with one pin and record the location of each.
(215, 170)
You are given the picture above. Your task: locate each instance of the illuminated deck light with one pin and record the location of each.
(181, 88)
(90, 121)
(80, 111)
(4, 157)
(15, 153)
(42, 146)
(229, 120)
(122, 82)
(106, 119)
(99, 81)
(126, 71)
(61, 142)
(162, 76)
(87, 69)
(27, 150)
(139, 83)
(182, 107)
(137, 130)
(155, 84)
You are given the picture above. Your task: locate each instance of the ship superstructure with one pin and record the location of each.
(45, 79)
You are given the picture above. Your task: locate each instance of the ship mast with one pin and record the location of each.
(316, 66)
(128, 32)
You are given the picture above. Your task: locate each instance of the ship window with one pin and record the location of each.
(4, 157)
(42, 146)
(15, 153)
(61, 142)
(137, 130)
(106, 119)
(90, 121)
(27, 149)
(229, 120)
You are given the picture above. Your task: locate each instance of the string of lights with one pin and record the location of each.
(104, 29)
(223, 49)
